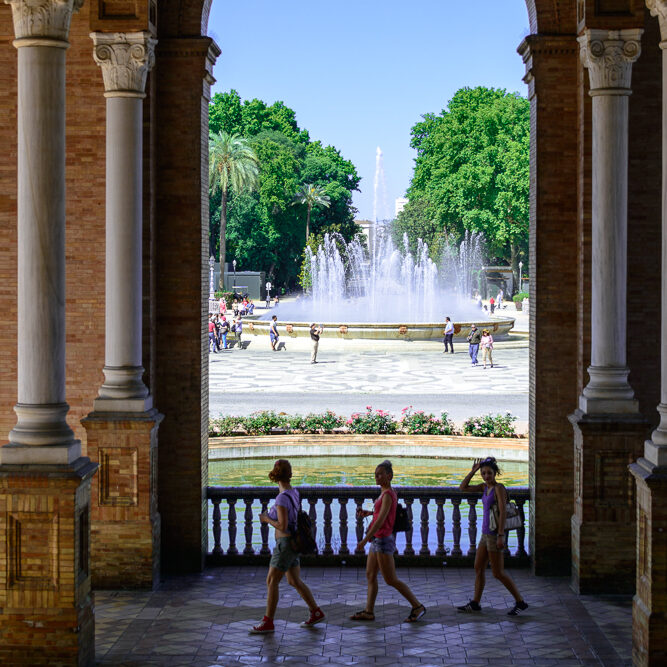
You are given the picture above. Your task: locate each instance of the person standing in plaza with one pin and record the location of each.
(239, 331)
(492, 305)
(224, 330)
(487, 347)
(315, 333)
(273, 332)
(449, 335)
(212, 342)
(474, 339)
(492, 545)
(222, 305)
(500, 298)
(285, 561)
(380, 535)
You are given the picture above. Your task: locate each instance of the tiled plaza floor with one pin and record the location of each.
(203, 621)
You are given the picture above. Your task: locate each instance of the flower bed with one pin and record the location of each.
(411, 422)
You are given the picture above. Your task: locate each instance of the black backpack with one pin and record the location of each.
(402, 521)
(302, 540)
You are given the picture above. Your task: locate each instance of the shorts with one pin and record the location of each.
(284, 558)
(383, 545)
(273, 337)
(489, 541)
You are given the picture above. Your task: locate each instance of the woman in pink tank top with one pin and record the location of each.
(380, 534)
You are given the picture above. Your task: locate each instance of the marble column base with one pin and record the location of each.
(608, 392)
(603, 521)
(649, 608)
(45, 594)
(125, 523)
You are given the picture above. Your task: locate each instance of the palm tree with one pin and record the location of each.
(232, 162)
(311, 195)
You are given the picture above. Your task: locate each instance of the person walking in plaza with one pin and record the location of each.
(315, 333)
(224, 330)
(492, 305)
(474, 339)
(273, 332)
(284, 561)
(492, 544)
(222, 305)
(449, 335)
(487, 347)
(381, 553)
(501, 294)
(212, 342)
(239, 331)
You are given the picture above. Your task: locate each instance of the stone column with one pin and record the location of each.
(608, 427)
(47, 609)
(649, 609)
(122, 429)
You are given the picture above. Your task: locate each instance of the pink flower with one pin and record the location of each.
(369, 407)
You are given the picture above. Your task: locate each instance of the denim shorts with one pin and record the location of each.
(383, 545)
(284, 558)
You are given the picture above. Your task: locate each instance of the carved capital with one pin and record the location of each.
(45, 19)
(659, 8)
(609, 55)
(125, 59)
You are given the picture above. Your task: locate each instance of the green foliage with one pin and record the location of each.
(310, 196)
(520, 296)
(472, 173)
(489, 426)
(372, 421)
(263, 230)
(419, 423)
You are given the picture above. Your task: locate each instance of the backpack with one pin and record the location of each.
(302, 540)
(402, 521)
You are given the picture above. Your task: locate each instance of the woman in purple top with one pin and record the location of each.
(492, 544)
(283, 516)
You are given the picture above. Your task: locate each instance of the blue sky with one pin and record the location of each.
(359, 74)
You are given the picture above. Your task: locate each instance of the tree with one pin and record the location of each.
(232, 163)
(472, 169)
(311, 195)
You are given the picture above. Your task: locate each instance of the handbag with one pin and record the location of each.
(513, 518)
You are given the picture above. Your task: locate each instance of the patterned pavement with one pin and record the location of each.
(203, 621)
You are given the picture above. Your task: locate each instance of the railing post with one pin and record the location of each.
(248, 551)
(424, 551)
(312, 513)
(342, 528)
(409, 549)
(521, 531)
(328, 550)
(472, 526)
(360, 525)
(232, 551)
(456, 526)
(440, 527)
(217, 527)
(264, 531)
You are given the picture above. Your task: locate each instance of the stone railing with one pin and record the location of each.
(445, 524)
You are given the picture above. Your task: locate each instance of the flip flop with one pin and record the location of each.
(415, 614)
(363, 615)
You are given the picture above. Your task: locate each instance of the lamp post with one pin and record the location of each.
(234, 265)
(268, 293)
(520, 276)
(211, 288)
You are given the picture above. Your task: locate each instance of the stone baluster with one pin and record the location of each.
(360, 525)
(521, 531)
(327, 527)
(247, 528)
(456, 526)
(312, 513)
(231, 527)
(440, 527)
(409, 549)
(424, 551)
(264, 531)
(217, 527)
(472, 526)
(342, 516)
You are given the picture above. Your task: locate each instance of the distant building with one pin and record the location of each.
(400, 204)
(368, 228)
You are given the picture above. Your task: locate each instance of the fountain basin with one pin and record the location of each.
(407, 331)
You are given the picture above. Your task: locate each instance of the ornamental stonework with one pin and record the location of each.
(125, 59)
(48, 19)
(609, 55)
(659, 8)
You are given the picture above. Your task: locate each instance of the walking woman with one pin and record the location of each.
(282, 516)
(492, 544)
(381, 553)
(487, 347)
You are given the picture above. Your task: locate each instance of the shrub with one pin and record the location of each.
(224, 426)
(228, 297)
(261, 423)
(419, 423)
(372, 421)
(488, 426)
(520, 296)
(314, 423)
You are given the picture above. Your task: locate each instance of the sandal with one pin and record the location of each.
(415, 614)
(363, 615)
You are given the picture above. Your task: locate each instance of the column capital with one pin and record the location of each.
(125, 59)
(659, 8)
(42, 22)
(608, 55)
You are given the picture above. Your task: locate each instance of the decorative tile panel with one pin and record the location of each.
(118, 476)
(32, 550)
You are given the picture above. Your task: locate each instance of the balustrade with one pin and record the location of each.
(439, 512)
